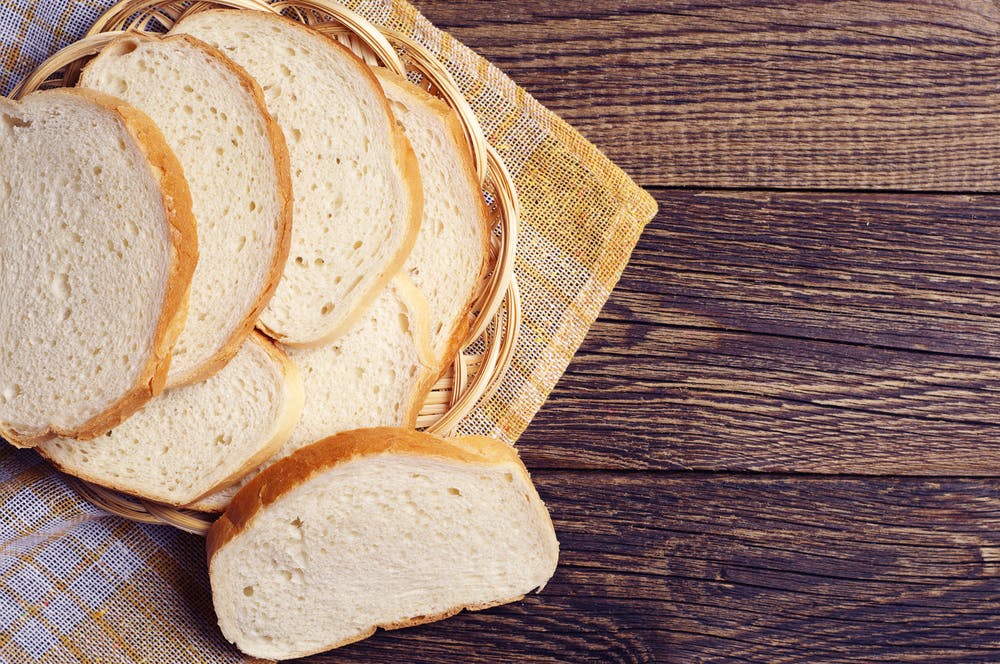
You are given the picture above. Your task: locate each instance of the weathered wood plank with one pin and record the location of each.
(803, 94)
(690, 567)
(913, 272)
(717, 417)
(793, 332)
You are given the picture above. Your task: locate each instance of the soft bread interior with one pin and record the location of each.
(192, 439)
(381, 539)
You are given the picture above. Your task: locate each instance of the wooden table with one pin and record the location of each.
(780, 442)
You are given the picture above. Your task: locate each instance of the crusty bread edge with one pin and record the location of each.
(200, 505)
(406, 162)
(416, 304)
(182, 234)
(460, 326)
(294, 399)
(285, 475)
(413, 622)
(420, 322)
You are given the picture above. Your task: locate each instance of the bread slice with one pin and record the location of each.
(356, 185)
(192, 439)
(375, 375)
(375, 528)
(212, 115)
(449, 259)
(96, 255)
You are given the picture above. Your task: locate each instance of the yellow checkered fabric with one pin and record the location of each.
(581, 218)
(79, 585)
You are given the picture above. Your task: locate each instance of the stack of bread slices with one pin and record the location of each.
(234, 260)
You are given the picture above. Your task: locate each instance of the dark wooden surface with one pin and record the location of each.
(781, 441)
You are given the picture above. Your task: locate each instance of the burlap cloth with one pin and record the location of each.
(79, 585)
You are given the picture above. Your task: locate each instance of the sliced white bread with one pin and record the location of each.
(375, 528)
(375, 375)
(193, 439)
(97, 249)
(212, 115)
(449, 259)
(355, 180)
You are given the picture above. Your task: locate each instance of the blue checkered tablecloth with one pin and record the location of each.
(30, 31)
(79, 585)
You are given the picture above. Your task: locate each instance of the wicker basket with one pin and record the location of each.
(480, 365)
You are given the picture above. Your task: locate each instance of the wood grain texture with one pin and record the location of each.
(794, 94)
(833, 338)
(690, 568)
(793, 332)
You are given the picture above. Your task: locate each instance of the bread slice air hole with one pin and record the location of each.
(11, 122)
(123, 47)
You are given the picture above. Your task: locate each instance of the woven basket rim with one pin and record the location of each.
(471, 378)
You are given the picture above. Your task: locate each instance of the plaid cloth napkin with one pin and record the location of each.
(78, 585)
